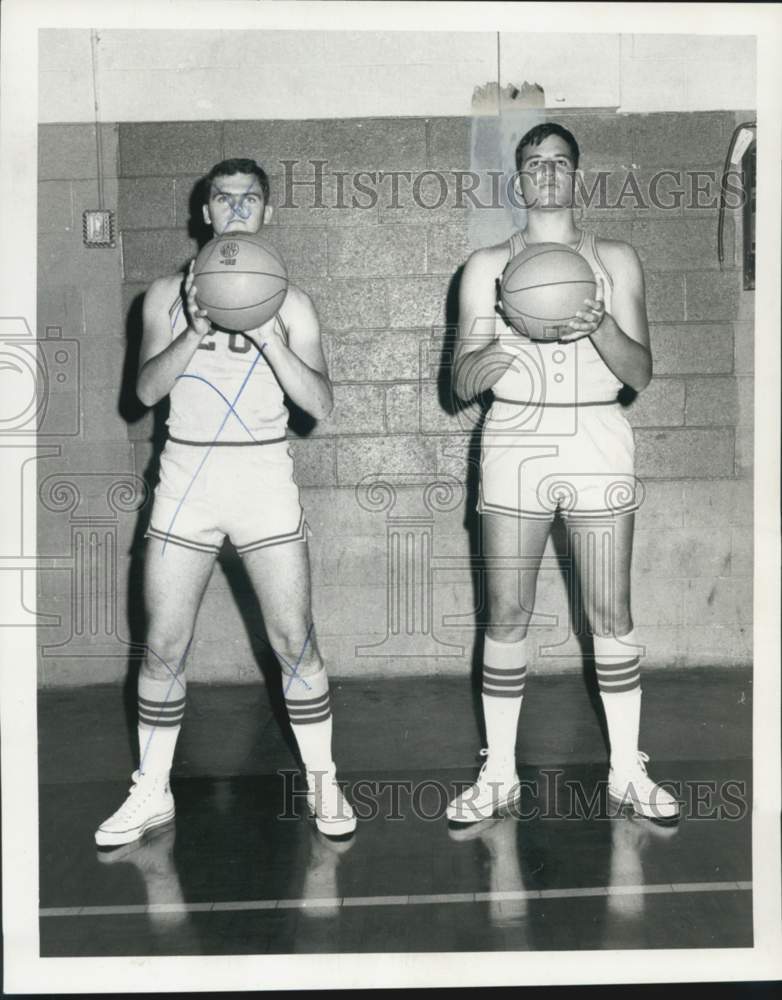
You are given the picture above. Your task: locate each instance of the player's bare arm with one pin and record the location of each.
(480, 358)
(299, 363)
(162, 359)
(622, 336)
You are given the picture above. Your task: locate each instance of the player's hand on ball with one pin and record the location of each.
(269, 334)
(587, 320)
(199, 321)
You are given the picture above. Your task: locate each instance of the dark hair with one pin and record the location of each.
(225, 168)
(536, 135)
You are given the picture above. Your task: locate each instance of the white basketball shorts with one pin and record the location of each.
(576, 460)
(245, 492)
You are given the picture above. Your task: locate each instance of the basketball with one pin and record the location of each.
(241, 281)
(543, 287)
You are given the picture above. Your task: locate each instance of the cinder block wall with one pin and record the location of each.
(383, 281)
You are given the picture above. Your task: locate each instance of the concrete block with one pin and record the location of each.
(448, 143)
(218, 661)
(337, 512)
(662, 507)
(185, 204)
(684, 453)
(148, 254)
(624, 192)
(675, 139)
(403, 408)
(101, 416)
(604, 140)
(679, 244)
(350, 303)
(712, 401)
(745, 451)
(69, 152)
(742, 555)
(358, 409)
(349, 611)
(314, 462)
(716, 504)
(385, 356)
(712, 294)
(744, 348)
(661, 404)
(220, 618)
(94, 456)
(664, 296)
(394, 250)
(447, 248)
(417, 302)
(345, 144)
(429, 198)
(397, 456)
(146, 203)
(63, 256)
(681, 552)
(745, 386)
(348, 562)
(155, 149)
(55, 207)
(337, 200)
(692, 349)
(303, 250)
(658, 602)
(104, 319)
(722, 601)
(60, 306)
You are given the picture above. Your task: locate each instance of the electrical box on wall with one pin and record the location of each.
(98, 227)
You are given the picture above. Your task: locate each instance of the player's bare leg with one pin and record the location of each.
(513, 548)
(281, 577)
(602, 552)
(175, 578)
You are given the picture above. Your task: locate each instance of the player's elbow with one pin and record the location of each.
(145, 390)
(324, 405)
(643, 377)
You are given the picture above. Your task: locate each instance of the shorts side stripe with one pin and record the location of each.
(186, 543)
(291, 536)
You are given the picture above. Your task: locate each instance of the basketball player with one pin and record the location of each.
(226, 470)
(555, 438)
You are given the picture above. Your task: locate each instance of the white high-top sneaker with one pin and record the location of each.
(333, 814)
(149, 804)
(632, 786)
(496, 788)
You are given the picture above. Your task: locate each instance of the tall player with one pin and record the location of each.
(556, 438)
(227, 393)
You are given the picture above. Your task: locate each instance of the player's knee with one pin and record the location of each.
(295, 649)
(507, 633)
(165, 655)
(610, 620)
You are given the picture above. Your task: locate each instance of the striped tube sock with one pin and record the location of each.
(161, 707)
(618, 667)
(504, 674)
(309, 709)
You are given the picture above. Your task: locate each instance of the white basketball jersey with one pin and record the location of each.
(554, 373)
(228, 394)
